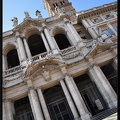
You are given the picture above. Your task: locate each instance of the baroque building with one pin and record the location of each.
(63, 67)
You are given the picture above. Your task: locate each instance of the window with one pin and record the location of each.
(108, 32)
(98, 19)
(62, 3)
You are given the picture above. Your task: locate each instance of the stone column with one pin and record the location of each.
(4, 63)
(102, 17)
(27, 48)
(3, 111)
(103, 85)
(115, 59)
(90, 22)
(45, 42)
(90, 30)
(37, 113)
(50, 40)
(9, 109)
(73, 31)
(21, 47)
(43, 104)
(112, 29)
(69, 100)
(19, 56)
(79, 105)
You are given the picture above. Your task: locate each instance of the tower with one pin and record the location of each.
(55, 6)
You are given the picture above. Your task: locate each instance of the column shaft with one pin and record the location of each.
(3, 111)
(3, 63)
(9, 111)
(69, 100)
(103, 86)
(21, 49)
(76, 99)
(35, 105)
(43, 104)
(45, 42)
(111, 27)
(27, 48)
(90, 30)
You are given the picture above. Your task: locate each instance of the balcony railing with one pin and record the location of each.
(39, 57)
(68, 50)
(13, 70)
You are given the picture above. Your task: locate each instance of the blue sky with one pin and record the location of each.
(16, 8)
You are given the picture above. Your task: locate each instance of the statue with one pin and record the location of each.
(15, 21)
(26, 14)
(38, 13)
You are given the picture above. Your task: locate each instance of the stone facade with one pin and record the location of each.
(58, 63)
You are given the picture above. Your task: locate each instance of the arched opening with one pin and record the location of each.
(62, 41)
(12, 58)
(36, 44)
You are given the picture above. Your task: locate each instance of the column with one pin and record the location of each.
(112, 29)
(90, 30)
(43, 104)
(73, 31)
(21, 47)
(45, 42)
(19, 56)
(103, 85)
(50, 40)
(90, 22)
(115, 59)
(9, 111)
(4, 64)
(27, 48)
(69, 100)
(3, 111)
(102, 17)
(37, 113)
(79, 105)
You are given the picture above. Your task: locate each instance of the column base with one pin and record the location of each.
(55, 52)
(85, 117)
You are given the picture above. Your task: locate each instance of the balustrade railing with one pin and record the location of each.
(13, 70)
(68, 50)
(39, 57)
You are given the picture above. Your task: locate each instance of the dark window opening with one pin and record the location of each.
(57, 104)
(23, 109)
(111, 75)
(90, 94)
(12, 58)
(62, 41)
(36, 44)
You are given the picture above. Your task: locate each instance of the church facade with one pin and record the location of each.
(63, 67)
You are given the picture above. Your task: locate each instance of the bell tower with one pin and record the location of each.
(55, 6)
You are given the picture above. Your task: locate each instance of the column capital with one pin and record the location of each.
(44, 25)
(7, 100)
(40, 87)
(31, 88)
(66, 20)
(17, 34)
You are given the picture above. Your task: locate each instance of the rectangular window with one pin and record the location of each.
(108, 32)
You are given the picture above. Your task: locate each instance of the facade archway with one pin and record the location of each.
(36, 44)
(12, 58)
(62, 41)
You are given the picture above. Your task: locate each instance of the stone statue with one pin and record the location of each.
(26, 14)
(38, 13)
(15, 21)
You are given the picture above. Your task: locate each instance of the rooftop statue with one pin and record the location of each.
(38, 13)
(15, 21)
(26, 14)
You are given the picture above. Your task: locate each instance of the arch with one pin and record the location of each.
(36, 44)
(11, 55)
(61, 37)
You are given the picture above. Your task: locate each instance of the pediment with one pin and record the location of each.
(99, 48)
(28, 24)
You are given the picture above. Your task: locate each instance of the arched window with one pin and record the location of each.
(36, 44)
(62, 41)
(12, 58)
